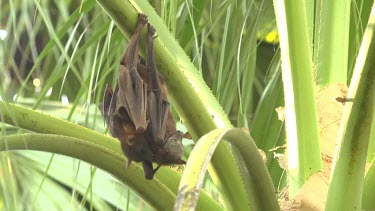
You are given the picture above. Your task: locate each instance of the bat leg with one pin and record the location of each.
(130, 57)
(157, 107)
(150, 63)
(158, 114)
(132, 94)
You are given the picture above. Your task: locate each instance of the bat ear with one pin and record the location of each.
(181, 162)
(187, 136)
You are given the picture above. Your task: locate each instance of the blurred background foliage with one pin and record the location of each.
(57, 56)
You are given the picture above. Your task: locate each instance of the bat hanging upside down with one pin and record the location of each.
(137, 111)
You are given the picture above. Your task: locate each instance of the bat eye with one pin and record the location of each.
(173, 139)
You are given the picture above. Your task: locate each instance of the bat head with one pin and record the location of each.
(171, 151)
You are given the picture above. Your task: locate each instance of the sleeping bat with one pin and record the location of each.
(137, 111)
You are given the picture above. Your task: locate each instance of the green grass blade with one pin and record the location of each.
(8, 183)
(186, 34)
(223, 54)
(53, 79)
(267, 129)
(301, 119)
(345, 189)
(53, 34)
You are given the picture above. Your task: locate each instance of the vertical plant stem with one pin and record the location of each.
(301, 119)
(345, 190)
(331, 41)
(368, 202)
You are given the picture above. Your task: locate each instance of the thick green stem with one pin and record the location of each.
(259, 188)
(304, 156)
(93, 147)
(331, 41)
(345, 189)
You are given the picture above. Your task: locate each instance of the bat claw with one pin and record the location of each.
(151, 30)
(130, 57)
(142, 18)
